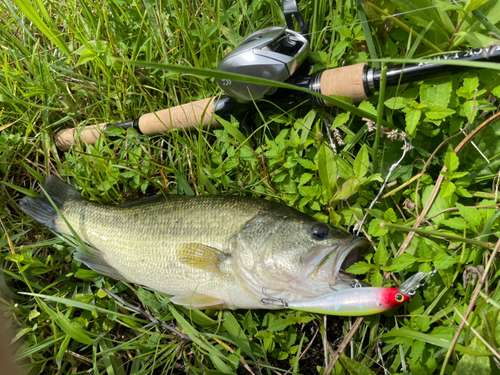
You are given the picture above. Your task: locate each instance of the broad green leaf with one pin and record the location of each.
(437, 91)
(197, 316)
(412, 120)
(390, 215)
(375, 229)
(362, 162)
(439, 204)
(86, 57)
(277, 326)
(396, 102)
(447, 189)
(354, 367)
(340, 120)
(424, 251)
(305, 178)
(368, 107)
(327, 168)
(471, 215)
(220, 365)
(148, 299)
(350, 187)
(437, 112)
(443, 7)
(470, 84)
(376, 279)
(381, 255)
(402, 262)
(451, 160)
(359, 268)
(469, 364)
(344, 169)
(443, 261)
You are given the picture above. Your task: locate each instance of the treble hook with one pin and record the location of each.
(354, 283)
(410, 286)
(270, 299)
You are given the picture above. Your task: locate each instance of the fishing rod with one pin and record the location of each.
(274, 53)
(357, 81)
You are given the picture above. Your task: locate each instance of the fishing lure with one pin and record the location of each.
(352, 302)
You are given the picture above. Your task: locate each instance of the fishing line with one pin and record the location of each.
(395, 135)
(378, 19)
(412, 284)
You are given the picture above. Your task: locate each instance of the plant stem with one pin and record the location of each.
(470, 308)
(380, 116)
(433, 233)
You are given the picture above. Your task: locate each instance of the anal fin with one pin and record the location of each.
(198, 301)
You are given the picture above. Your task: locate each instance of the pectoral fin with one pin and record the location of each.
(198, 301)
(202, 256)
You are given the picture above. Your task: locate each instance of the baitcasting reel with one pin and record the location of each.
(272, 53)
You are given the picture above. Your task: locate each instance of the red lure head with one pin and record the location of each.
(392, 297)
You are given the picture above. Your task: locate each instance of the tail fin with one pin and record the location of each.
(41, 209)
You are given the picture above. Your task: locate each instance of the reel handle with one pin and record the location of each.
(187, 116)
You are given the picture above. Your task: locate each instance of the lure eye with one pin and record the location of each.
(319, 232)
(399, 297)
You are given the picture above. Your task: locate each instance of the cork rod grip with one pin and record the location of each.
(344, 81)
(186, 116)
(66, 138)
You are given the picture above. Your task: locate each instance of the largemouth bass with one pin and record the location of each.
(209, 252)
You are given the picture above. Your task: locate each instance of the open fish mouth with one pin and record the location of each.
(351, 253)
(338, 258)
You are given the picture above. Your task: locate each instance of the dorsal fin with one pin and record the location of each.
(144, 200)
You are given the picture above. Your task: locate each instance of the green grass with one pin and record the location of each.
(62, 66)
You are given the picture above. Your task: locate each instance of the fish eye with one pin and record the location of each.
(399, 297)
(320, 232)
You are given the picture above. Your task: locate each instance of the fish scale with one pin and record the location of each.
(206, 251)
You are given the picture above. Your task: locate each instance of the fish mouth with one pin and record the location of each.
(338, 259)
(351, 254)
